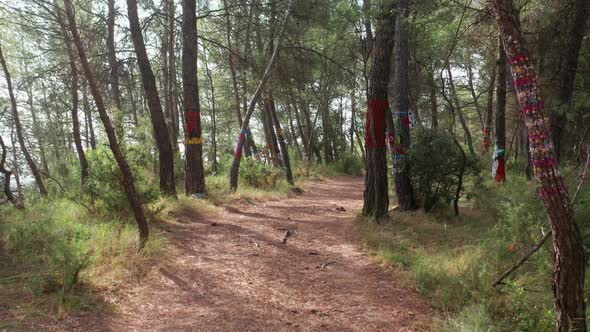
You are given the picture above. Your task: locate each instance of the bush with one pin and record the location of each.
(347, 164)
(103, 188)
(436, 164)
(259, 175)
(56, 245)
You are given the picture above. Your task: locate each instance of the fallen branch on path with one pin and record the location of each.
(285, 236)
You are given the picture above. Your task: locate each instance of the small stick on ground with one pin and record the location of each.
(285, 236)
(326, 264)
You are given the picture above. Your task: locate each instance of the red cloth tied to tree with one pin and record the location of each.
(376, 117)
(191, 121)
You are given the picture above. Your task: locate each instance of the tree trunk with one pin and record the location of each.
(284, 149)
(232, 66)
(75, 100)
(567, 73)
(244, 129)
(37, 130)
(474, 95)
(301, 130)
(433, 101)
(114, 73)
(489, 112)
(19, 130)
(403, 185)
(15, 165)
(195, 173)
(499, 159)
(90, 137)
(213, 113)
(293, 133)
(165, 151)
(376, 196)
(273, 146)
(127, 179)
(459, 111)
(16, 201)
(569, 269)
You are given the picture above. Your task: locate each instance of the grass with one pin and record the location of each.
(56, 257)
(453, 262)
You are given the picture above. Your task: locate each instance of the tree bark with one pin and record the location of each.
(459, 111)
(75, 101)
(19, 129)
(165, 151)
(242, 138)
(569, 268)
(433, 101)
(489, 112)
(37, 129)
(232, 66)
(403, 184)
(567, 73)
(114, 73)
(16, 201)
(213, 114)
(127, 179)
(284, 149)
(195, 173)
(376, 196)
(499, 158)
(90, 136)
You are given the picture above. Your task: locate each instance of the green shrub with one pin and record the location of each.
(259, 175)
(347, 164)
(103, 188)
(435, 162)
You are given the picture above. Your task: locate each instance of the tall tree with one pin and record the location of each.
(195, 174)
(235, 169)
(16, 201)
(114, 72)
(403, 184)
(19, 129)
(75, 99)
(499, 159)
(569, 268)
(161, 134)
(376, 196)
(127, 175)
(568, 69)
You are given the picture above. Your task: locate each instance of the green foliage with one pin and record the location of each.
(259, 175)
(454, 262)
(104, 189)
(54, 246)
(436, 163)
(347, 164)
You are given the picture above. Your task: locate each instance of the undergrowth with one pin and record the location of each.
(453, 262)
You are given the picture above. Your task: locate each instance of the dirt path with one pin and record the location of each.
(234, 274)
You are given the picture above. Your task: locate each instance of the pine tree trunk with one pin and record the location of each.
(284, 149)
(568, 70)
(127, 180)
(459, 111)
(90, 136)
(19, 129)
(195, 173)
(376, 196)
(37, 130)
(489, 113)
(433, 101)
(16, 201)
(403, 185)
(235, 170)
(114, 73)
(165, 151)
(499, 159)
(213, 114)
(75, 101)
(569, 269)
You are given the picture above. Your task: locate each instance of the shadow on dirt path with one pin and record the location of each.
(233, 273)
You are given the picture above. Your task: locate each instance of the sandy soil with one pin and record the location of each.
(233, 273)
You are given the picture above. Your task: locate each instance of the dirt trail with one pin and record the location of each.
(234, 274)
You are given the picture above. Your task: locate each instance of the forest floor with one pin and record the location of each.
(230, 271)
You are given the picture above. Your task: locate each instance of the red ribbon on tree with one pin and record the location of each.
(376, 117)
